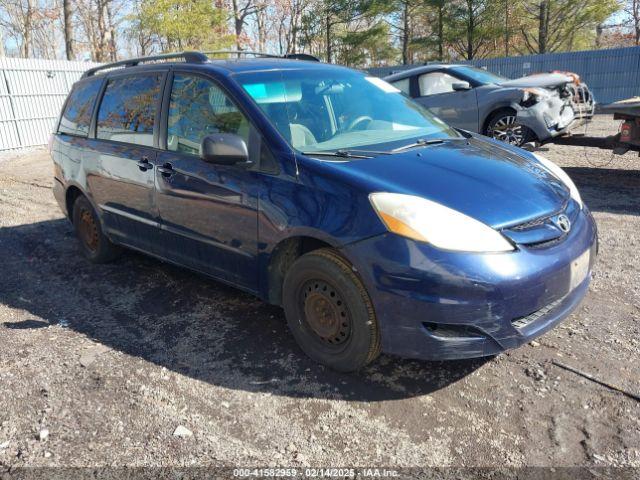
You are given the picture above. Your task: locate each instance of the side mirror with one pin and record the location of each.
(224, 149)
(459, 86)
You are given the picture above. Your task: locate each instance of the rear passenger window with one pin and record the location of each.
(198, 108)
(76, 118)
(128, 108)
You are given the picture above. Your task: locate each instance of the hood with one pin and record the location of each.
(479, 178)
(541, 80)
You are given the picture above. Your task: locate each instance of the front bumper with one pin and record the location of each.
(438, 305)
(547, 119)
(583, 103)
(554, 116)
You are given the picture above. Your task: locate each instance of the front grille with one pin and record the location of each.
(541, 232)
(522, 322)
(533, 223)
(546, 243)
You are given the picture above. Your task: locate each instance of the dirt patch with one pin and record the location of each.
(113, 360)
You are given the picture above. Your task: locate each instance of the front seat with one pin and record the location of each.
(296, 134)
(301, 136)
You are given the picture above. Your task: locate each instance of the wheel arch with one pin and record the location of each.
(282, 257)
(493, 113)
(72, 192)
(71, 195)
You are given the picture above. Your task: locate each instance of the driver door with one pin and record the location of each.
(208, 211)
(456, 108)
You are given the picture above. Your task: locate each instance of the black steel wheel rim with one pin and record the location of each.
(88, 230)
(325, 314)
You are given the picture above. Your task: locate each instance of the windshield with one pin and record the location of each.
(328, 110)
(480, 75)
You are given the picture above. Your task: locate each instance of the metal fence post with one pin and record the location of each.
(13, 107)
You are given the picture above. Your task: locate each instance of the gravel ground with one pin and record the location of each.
(138, 363)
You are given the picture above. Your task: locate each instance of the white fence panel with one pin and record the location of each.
(31, 95)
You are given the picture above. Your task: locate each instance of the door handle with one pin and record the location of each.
(166, 170)
(144, 164)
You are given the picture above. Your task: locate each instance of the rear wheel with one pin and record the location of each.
(95, 245)
(504, 126)
(329, 311)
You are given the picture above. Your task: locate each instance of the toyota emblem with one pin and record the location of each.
(563, 223)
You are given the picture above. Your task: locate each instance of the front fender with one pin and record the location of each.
(319, 205)
(495, 100)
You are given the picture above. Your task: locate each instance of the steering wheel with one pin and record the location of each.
(357, 121)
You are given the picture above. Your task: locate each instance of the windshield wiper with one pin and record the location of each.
(421, 142)
(339, 153)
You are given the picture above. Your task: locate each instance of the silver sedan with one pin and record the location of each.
(529, 109)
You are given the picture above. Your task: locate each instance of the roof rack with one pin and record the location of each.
(193, 57)
(290, 56)
(301, 56)
(240, 52)
(189, 57)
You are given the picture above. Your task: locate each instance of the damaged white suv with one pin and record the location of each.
(528, 109)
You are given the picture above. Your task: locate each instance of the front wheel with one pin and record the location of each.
(504, 126)
(329, 312)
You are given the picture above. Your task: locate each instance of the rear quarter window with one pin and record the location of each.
(76, 117)
(128, 109)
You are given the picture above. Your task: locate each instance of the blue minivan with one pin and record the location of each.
(376, 226)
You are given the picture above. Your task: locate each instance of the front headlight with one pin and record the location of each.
(427, 221)
(562, 176)
(531, 96)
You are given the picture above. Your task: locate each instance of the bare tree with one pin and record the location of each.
(632, 8)
(68, 29)
(31, 26)
(138, 32)
(98, 26)
(46, 34)
(242, 10)
(17, 19)
(261, 26)
(289, 18)
(277, 24)
(28, 25)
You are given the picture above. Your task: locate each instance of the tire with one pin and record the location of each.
(329, 311)
(93, 242)
(503, 126)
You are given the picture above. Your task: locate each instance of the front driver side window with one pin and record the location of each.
(198, 107)
(436, 82)
(403, 85)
